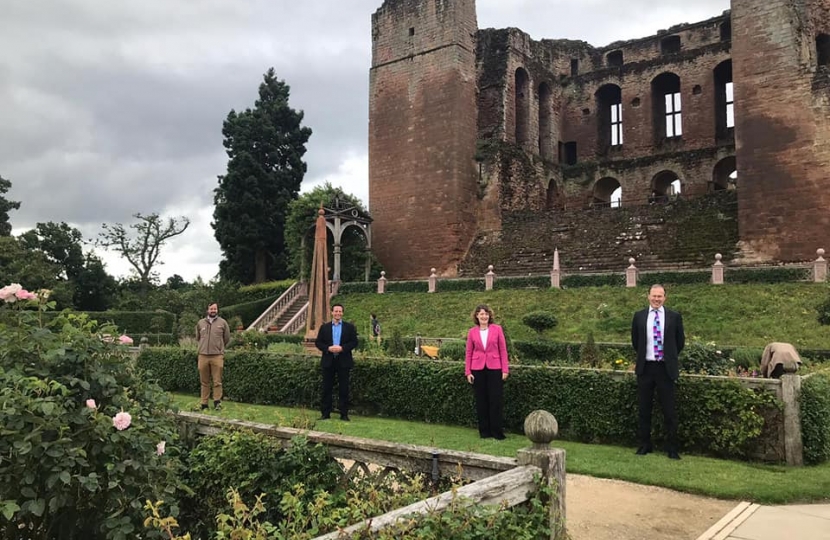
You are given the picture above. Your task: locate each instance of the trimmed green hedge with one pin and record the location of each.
(249, 311)
(720, 417)
(132, 323)
(260, 291)
(815, 418)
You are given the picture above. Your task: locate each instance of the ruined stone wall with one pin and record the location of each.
(782, 129)
(422, 134)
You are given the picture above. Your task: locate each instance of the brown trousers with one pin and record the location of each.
(210, 367)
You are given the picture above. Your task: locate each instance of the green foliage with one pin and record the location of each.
(249, 311)
(136, 322)
(67, 472)
(253, 340)
(252, 464)
(589, 353)
(299, 234)
(186, 326)
(540, 321)
(94, 290)
(265, 147)
(766, 275)
(62, 245)
(395, 345)
(823, 310)
(5, 207)
(704, 359)
(453, 350)
(746, 358)
(716, 416)
(259, 291)
(815, 418)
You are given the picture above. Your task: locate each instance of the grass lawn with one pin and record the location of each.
(767, 484)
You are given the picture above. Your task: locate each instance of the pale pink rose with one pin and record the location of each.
(91, 404)
(122, 421)
(125, 340)
(23, 294)
(7, 293)
(160, 447)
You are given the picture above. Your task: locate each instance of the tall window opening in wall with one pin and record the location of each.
(664, 186)
(726, 30)
(522, 105)
(609, 117)
(823, 50)
(545, 145)
(607, 193)
(724, 101)
(665, 96)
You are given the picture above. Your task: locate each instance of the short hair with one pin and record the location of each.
(654, 286)
(372, 315)
(213, 303)
(486, 308)
(335, 305)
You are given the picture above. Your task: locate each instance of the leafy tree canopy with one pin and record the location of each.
(265, 147)
(5, 207)
(62, 245)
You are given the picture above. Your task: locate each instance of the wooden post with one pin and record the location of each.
(555, 273)
(489, 278)
(631, 274)
(541, 428)
(432, 280)
(717, 270)
(790, 395)
(820, 267)
(382, 283)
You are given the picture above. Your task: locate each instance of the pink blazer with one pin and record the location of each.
(494, 357)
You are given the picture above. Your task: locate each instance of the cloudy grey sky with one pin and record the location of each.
(109, 108)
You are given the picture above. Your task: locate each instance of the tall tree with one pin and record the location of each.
(142, 247)
(6, 206)
(95, 289)
(62, 245)
(265, 147)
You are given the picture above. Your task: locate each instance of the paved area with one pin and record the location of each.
(753, 522)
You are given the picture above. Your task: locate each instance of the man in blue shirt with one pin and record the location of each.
(336, 340)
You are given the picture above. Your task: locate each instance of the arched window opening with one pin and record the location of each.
(665, 186)
(724, 101)
(545, 147)
(609, 117)
(522, 106)
(724, 175)
(726, 30)
(665, 95)
(607, 193)
(553, 199)
(614, 59)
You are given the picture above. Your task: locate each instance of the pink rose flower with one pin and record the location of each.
(23, 294)
(125, 340)
(160, 448)
(7, 293)
(91, 404)
(122, 421)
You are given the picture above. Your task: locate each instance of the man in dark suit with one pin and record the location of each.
(657, 337)
(336, 339)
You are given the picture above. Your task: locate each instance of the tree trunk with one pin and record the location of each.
(259, 263)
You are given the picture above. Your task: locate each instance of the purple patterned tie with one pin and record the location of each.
(657, 333)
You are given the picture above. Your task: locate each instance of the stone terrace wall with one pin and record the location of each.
(680, 234)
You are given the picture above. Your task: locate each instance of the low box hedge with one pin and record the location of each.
(717, 416)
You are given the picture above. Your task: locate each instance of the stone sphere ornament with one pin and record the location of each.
(541, 427)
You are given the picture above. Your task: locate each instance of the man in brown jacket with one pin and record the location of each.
(778, 358)
(213, 334)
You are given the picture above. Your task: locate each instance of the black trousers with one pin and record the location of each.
(342, 374)
(655, 377)
(489, 391)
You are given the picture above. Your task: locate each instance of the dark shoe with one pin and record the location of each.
(485, 435)
(499, 437)
(217, 405)
(325, 417)
(673, 454)
(643, 450)
(203, 407)
(345, 418)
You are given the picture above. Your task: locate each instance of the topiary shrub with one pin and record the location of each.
(589, 353)
(540, 321)
(823, 310)
(85, 435)
(395, 345)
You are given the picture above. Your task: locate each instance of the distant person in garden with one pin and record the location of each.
(213, 334)
(336, 340)
(486, 368)
(778, 358)
(657, 337)
(375, 328)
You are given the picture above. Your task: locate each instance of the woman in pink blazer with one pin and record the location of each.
(486, 369)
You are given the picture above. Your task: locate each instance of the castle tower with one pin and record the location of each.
(422, 134)
(781, 63)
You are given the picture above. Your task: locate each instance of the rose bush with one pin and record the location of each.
(82, 431)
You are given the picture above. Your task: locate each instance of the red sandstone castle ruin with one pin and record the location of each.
(489, 147)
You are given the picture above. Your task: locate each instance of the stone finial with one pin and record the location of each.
(489, 278)
(631, 273)
(718, 258)
(541, 427)
(433, 279)
(432, 272)
(382, 282)
(717, 270)
(820, 267)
